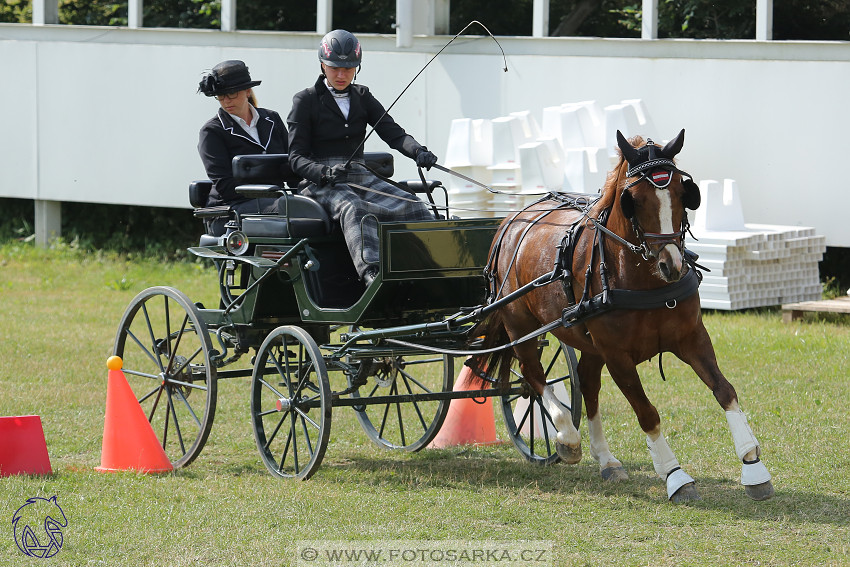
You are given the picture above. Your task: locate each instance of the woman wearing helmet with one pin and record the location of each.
(327, 126)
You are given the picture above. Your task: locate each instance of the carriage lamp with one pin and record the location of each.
(236, 243)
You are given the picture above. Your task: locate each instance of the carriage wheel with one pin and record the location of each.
(529, 424)
(412, 424)
(291, 403)
(166, 349)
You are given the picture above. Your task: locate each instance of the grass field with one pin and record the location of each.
(59, 311)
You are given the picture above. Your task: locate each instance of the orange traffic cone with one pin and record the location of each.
(23, 449)
(129, 442)
(469, 421)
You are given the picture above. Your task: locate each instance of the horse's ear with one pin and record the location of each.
(629, 152)
(674, 146)
(692, 197)
(627, 204)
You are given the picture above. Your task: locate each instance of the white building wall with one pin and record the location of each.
(111, 115)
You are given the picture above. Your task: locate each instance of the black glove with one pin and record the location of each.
(335, 174)
(425, 159)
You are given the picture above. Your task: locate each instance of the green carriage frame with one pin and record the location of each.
(294, 306)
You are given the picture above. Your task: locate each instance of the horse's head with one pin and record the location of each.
(654, 196)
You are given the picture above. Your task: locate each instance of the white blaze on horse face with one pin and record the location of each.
(567, 433)
(665, 220)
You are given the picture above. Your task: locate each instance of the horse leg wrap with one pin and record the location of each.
(662, 456)
(742, 435)
(667, 466)
(676, 480)
(754, 473)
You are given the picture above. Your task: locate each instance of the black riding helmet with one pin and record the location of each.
(340, 48)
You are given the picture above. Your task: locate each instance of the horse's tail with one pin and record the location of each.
(491, 333)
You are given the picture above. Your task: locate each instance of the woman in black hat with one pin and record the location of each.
(238, 128)
(327, 127)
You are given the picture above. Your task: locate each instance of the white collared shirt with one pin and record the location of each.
(343, 101)
(252, 127)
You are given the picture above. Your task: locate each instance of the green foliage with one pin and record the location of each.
(502, 17)
(147, 231)
(699, 19)
(92, 13)
(16, 11)
(198, 14)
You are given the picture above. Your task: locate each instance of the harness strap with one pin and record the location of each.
(667, 296)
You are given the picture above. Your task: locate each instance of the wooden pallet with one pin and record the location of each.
(794, 311)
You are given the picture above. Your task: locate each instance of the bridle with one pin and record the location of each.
(658, 171)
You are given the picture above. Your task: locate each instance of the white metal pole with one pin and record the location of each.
(45, 12)
(404, 23)
(764, 20)
(135, 13)
(540, 20)
(649, 20)
(228, 15)
(441, 17)
(324, 16)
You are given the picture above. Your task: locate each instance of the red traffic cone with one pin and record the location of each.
(469, 421)
(23, 449)
(129, 442)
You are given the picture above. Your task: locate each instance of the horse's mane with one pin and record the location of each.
(613, 181)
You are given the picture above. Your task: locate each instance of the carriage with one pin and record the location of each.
(317, 338)
(609, 276)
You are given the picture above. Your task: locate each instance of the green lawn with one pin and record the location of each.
(59, 310)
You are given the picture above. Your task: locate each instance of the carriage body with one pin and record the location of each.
(316, 336)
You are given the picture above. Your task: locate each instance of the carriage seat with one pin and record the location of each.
(262, 175)
(258, 176)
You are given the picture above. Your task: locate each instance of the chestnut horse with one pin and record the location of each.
(631, 238)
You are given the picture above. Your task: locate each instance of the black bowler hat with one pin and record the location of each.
(225, 78)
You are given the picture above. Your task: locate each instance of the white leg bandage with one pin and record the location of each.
(666, 465)
(754, 473)
(662, 456)
(742, 435)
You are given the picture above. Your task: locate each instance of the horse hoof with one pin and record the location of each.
(615, 474)
(761, 491)
(570, 455)
(687, 493)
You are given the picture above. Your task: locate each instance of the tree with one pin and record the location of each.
(16, 11)
(719, 19)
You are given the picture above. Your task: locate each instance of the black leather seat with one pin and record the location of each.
(263, 175)
(258, 175)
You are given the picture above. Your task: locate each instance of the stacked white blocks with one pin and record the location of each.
(571, 149)
(470, 151)
(751, 265)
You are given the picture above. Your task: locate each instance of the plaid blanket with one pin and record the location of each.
(357, 210)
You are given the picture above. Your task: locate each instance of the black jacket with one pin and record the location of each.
(317, 128)
(221, 138)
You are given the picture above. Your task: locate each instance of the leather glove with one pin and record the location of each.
(425, 158)
(335, 174)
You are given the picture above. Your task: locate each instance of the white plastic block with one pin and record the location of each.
(622, 117)
(542, 166)
(592, 122)
(530, 129)
(470, 143)
(508, 135)
(720, 209)
(582, 171)
(564, 124)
